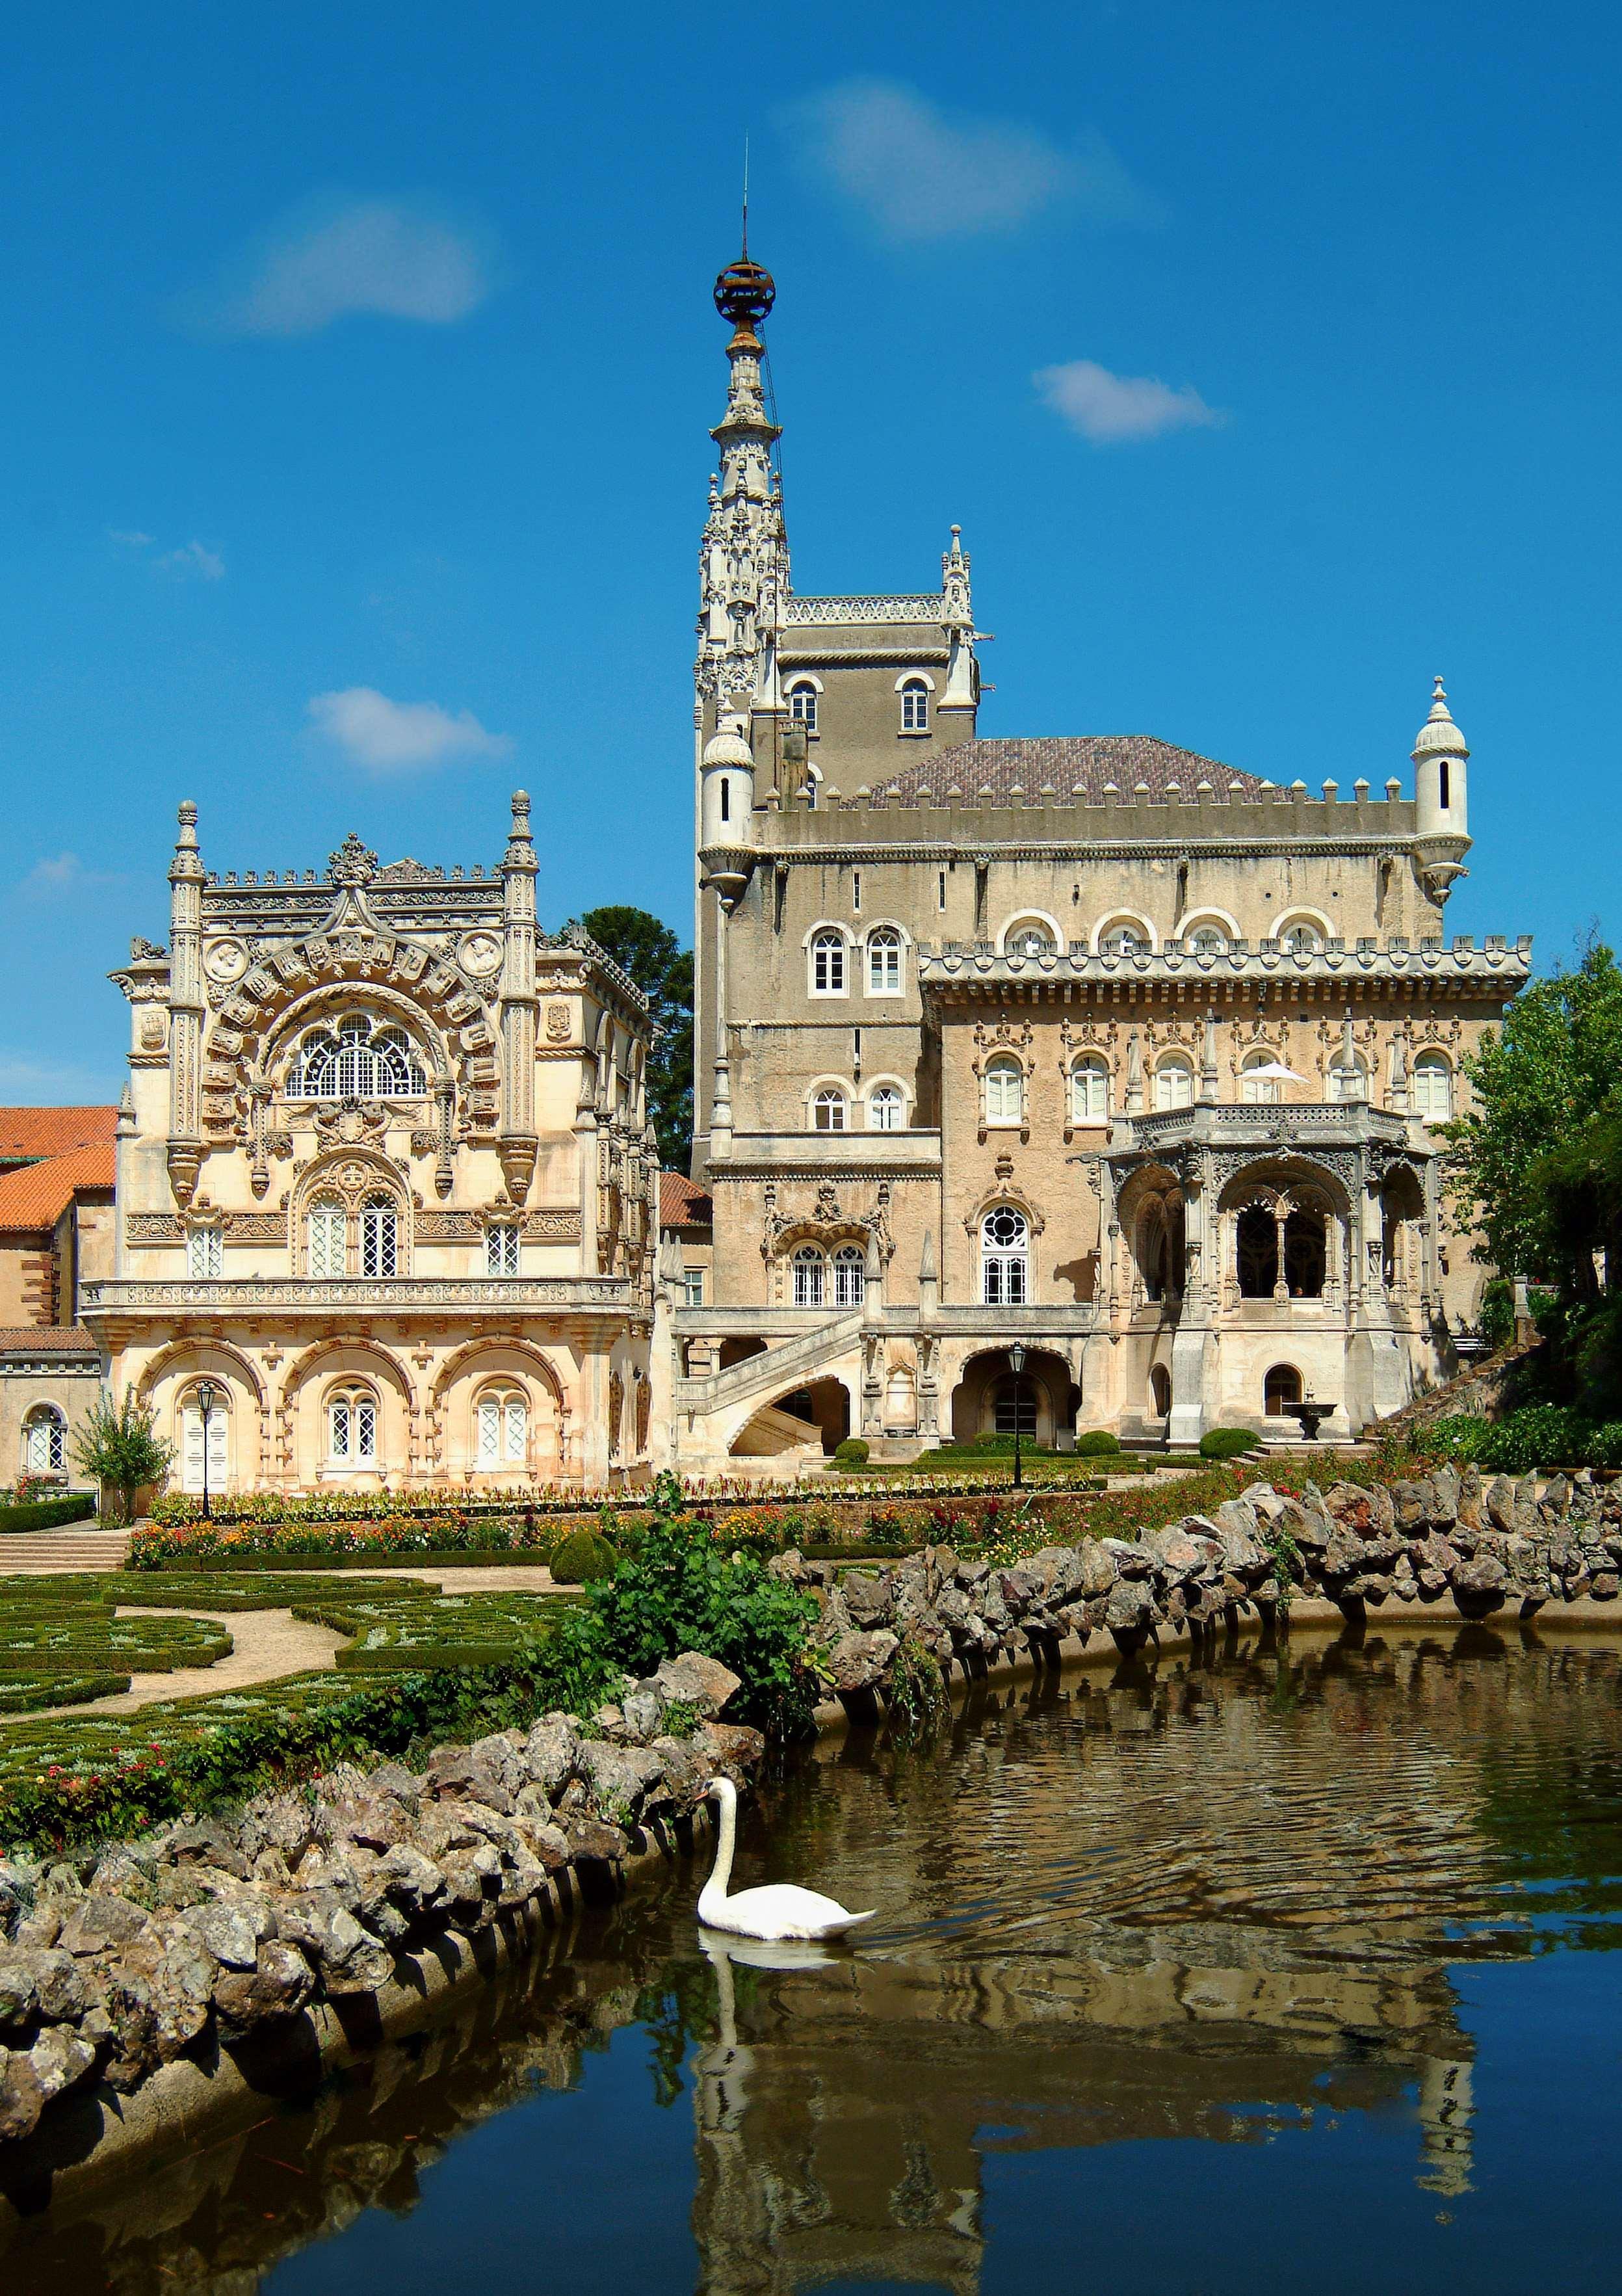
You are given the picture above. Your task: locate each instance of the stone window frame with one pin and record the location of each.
(1299, 914)
(1435, 1062)
(828, 934)
(916, 713)
(1021, 920)
(503, 1244)
(1114, 923)
(829, 1092)
(1172, 1062)
(808, 689)
(903, 1098)
(52, 1420)
(884, 932)
(496, 1403)
(355, 1398)
(1089, 1062)
(998, 1064)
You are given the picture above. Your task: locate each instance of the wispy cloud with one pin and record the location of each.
(55, 875)
(391, 258)
(390, 737)
(922, 173)
(1116, 410)
(28, 1081)
(192, 560)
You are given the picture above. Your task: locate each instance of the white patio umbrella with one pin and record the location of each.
(1271, 1069)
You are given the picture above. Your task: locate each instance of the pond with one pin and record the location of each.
(1273, 1972)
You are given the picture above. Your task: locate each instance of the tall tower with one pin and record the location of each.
(744, 574)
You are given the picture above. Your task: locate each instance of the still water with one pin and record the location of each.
(1270, 1973)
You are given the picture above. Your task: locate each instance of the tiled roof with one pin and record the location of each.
(31, 1132)
(36, 1196)
(682, 1202)
(1067, 763)
(48, 1339)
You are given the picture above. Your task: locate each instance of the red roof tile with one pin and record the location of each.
(1066, 763)
(682, 1202)
(36, 1196)
(34, 1132)
(49, 1338)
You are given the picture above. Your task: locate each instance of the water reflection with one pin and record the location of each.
(1218, 1903)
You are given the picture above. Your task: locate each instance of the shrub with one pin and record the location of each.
(1538, 1439)
(581, 1557)
(851, 1453)
(1098, 1443)
(119, 1446)
(41, 1515)
(1228, 1443)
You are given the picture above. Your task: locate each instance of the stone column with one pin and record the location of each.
(517, 1005)
(187, 1009)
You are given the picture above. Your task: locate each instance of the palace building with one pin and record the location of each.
(386, 1194)
(1089, 1045)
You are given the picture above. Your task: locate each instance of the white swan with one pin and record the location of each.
(778, 1911)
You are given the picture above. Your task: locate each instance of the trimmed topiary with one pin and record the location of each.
(851, 1453)
(1228, 1443)
(581, 1558)
(1097, 1444)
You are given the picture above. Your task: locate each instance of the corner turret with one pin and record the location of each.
(1441, 806)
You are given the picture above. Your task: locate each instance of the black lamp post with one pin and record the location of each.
(1015, 1356)
(205, 1405)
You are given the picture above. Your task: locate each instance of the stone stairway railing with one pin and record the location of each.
(795, 1361)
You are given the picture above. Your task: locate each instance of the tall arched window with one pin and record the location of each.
(828, 1110)
(1433, 1087)
(1005, 1090)
(810, 1276)
(1261, 1090)
(356, 1058)
(44, 1442)
(849, 1276)
(501, 1429)
(828, 963)
(326, 1229)
(1173, 1082)
(886, 1108)
(883, 962)
(352, 1428)
(802, 706)
(1004, 1257)
(914, 705)
(380, 1237)
(1090, 1091)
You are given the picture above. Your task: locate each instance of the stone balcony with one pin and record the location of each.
(264, 1299)
(1264, 1125)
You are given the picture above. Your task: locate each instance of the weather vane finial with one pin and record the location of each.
(745, 248)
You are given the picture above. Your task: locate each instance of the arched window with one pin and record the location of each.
(883, 962)
(828, 963)
(380, 1237)
(1013, 1406)
(1004, 1257)
(1159, 1391)
(1280, 1389)
(1031, 937)
(849, 1276)
(352, 1428)
(202, 1251)
(886, 1108)
(1306, 1255)
(1125, 937)
(828, 1110)
(356, 1058)
(1173, 1082)
(1300, 937)
(218, 1438)
(326, 1236)
(914, 705)
(501, 1248)
(501, 1429)
(44, 1442)
(1433, 1087)
(1257, 1241)
(810, 1276)
(1205, 940)
(802, 706)
(1349, 1083)
(1262, 1090)
(1090, 1091)
(1005, 1090)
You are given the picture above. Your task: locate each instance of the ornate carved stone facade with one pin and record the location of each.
(405, 1234)
(1138, 1058)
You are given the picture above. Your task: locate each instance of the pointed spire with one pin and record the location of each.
(126, 1128)
(187, 861)
(1209, 1081)
(1439, 736)
(926, 1257)
(1353, 1082)
(520, 846)
(1134, 1077)
(745, 559)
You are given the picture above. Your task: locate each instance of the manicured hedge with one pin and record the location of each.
(42, 1514)
(1228, 1443)
(60, 1643)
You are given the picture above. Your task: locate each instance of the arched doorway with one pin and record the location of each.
(817, 1414)
(1281, 1389)
(1159, 1391)
(988, 1400)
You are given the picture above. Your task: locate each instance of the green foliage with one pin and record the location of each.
(60, 1643)
(117, 1445)
(1097, 1443)
(42, 1514)
(580, 1557)
(852, 1452)
(1538, 1439)
(917, 1707)
(1228, 1443)
(662, 968)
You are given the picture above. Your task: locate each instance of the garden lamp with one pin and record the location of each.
(1016, 1357)
(205, 1405)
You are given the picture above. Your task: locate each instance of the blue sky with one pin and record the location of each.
(359, 362)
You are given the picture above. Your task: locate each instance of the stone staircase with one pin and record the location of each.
(76, 1546)
(796, 1363)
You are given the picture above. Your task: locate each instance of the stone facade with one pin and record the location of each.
(56, 1234)
(385, 1179)
(1092, 1044)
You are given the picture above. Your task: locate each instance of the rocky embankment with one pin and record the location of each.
(1498, 1547)
(209, 1936)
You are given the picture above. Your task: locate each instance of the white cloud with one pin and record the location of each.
(193, 558)
(56, 874)
(28, 1082)
(393, 736)
(1112, 410)
(129, 538)
(389, 258)
(920, 173)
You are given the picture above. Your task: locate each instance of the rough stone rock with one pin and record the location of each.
(868, 1600)
(697, 1681)
(1097, 1568)
(349, 1958)
(593, 1841)
(205, 1841)
(858, 1661)
(625, 1782)
(732, 1744)
(1353, 1508)
(491, 1772)
(19, 1991)
(60, 2059)
(1485, 1575)
(231, 1929)
(644, 1713)
(686, 1774)
(551, 1752)
(100, 1923)
(177, 1977)
(1132, 1559)
(1130, 1605)
(1414, 1504)
(279, 1985)
(548, 1844)
(1470, 1508)
(283, 1821)
(22, 2097)
(1444, 1496)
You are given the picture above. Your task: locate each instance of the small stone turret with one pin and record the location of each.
(1441, 809)
(726, 801)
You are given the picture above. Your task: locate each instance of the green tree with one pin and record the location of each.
(662, 968)
(1538, 1084)
(118, 1446)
